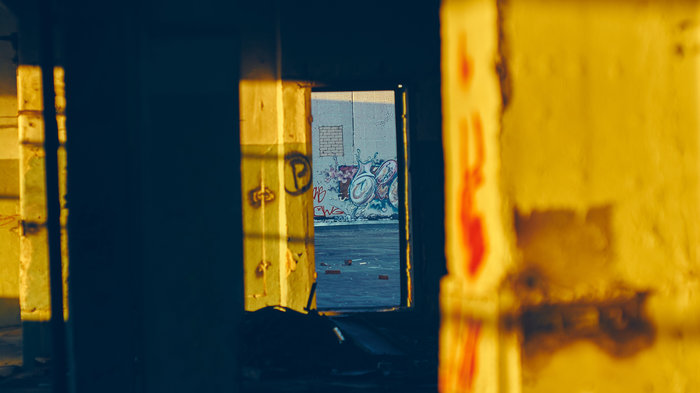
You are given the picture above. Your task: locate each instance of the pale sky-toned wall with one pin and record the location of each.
(369, 125)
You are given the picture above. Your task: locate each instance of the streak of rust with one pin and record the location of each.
(501, 63)
(567, 289)
(618, 326)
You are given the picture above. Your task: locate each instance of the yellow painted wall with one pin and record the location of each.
(604, 115)
(593, 195)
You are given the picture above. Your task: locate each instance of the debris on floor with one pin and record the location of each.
(285, 350)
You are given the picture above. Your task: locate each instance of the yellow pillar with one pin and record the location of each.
(9, 196)
(476, 354)
(579, 198)
(34, 268)
(276, 181)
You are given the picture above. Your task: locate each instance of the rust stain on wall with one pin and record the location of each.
(466, 63)
(618, 326)
(472, 221)
(567, 287)
(565, 252)
(501, 63)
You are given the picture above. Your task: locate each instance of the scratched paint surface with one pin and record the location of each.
(471, 220)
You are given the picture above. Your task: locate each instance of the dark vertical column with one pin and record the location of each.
(105, 230)
(53, 202)
(193, 294)
(154, 191)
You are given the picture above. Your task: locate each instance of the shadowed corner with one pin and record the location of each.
(9, 312)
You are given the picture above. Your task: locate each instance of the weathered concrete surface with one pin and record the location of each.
(602, 128)
(582, 207)
(34, 247)
(476, 354)
(9, 175)
(34, 263)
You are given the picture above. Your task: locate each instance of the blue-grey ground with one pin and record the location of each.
(373, 250)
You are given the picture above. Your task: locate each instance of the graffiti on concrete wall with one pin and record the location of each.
(319, 209)
(368, 190)
(260, 195)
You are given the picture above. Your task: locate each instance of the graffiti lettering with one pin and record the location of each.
(471, 221)
(258, 196)
(319, 194)
(320, 211)
(298, 167)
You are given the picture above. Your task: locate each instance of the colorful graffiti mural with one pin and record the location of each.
(368, 190)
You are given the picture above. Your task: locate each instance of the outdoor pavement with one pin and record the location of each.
(373, 250)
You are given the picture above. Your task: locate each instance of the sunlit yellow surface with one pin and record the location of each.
(9, 199)
(34, 265)
(277, 208)
(474, 353)
(590, 188)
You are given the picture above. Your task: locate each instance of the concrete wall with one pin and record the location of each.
(354, 156)
(9, 175)
(573, 182)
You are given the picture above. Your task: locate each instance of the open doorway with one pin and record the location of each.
(359, 199)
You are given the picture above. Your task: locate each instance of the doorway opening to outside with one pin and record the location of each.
(360, 195)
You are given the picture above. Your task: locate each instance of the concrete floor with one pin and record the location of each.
(14, 378)
(373, 250)
(10, 346)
